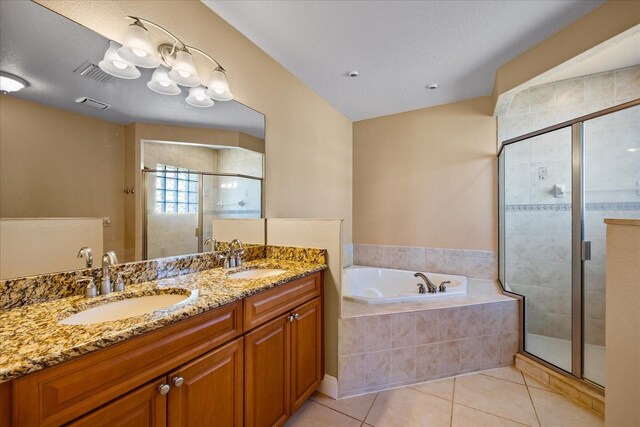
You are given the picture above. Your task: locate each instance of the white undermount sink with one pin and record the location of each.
(256, 274)
(124, 308)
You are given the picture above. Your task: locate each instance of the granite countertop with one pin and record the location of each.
(32, 339)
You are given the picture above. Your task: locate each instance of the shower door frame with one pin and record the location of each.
(577, 239)
(199, 230)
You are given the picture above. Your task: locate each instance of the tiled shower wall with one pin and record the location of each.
(470, 263)
(377, 352)
(538, 224)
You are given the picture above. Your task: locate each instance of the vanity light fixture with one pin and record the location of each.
(11, 83)
(173, 62)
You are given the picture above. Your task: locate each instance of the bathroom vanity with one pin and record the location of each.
(252, 360)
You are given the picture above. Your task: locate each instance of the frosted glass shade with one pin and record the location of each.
(161, 83)
(114, 64)
(198, 98)
(137, 48)
(183, 72)
(218, 87)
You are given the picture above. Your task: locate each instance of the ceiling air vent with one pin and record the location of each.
(92, 72)
(93, 103)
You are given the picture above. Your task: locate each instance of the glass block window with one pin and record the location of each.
(176, 190)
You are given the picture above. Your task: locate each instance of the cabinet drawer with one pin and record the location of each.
(267, 305)
(61, 393)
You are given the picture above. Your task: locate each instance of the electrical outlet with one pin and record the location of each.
(542, 173)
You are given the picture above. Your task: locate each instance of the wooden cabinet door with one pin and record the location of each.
(306, 352)
(208, 391)
(143, 407)
(267, 385)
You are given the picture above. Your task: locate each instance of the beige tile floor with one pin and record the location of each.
(502, 397)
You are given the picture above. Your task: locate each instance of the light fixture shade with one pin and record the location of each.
(198, 98)
(137, 48)
(183, 72)
(115, 65)
(218, 87)
(11, 83)
(161, 83)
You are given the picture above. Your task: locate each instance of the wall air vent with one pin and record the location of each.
(92, 72)
(93, 103)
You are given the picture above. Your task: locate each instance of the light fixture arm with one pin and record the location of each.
(177, 41)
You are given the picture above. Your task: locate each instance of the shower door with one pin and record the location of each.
(557, 186)
(537, 242)
(611, 177)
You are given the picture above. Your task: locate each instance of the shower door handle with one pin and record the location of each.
(586, 250)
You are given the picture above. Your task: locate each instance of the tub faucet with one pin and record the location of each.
(108, 259)
(431, 288)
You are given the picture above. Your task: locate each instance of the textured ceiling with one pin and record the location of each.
(45, 48)
(397, 46)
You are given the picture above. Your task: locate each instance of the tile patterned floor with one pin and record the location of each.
(502, 397)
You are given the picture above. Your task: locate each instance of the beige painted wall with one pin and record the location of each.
(309, 144)
(605, 22)
(427, 177)
(55, 163)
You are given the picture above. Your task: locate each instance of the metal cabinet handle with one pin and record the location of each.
(296, 316)
(177, 381)
(290, 318)
(164, 389)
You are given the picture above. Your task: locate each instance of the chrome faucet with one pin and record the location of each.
(431, 288)
(87, 253)
(108, 259)
(236, 254)
(214, 244)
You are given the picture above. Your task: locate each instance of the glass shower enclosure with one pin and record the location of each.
(556, 186)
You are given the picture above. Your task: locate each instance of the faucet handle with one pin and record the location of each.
(443, 286)
(90, 290)
(119, 285)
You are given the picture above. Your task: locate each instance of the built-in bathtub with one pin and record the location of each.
(373, 285)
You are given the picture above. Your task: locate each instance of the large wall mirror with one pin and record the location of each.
(89, 159)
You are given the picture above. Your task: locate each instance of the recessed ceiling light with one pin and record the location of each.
(632, 150)
(353, 73)
(432, 86)
(11, 83)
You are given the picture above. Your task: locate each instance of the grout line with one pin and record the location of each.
(453, 402)
(335, 410)
(370, 407)
(534, 406)
(491, 413)
(524, 383)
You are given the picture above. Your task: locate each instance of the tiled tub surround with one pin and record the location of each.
(463, 262)
(382, 346)
(32, 338)
(46, 287)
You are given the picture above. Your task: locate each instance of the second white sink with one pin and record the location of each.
(256, 274)
(123, 309)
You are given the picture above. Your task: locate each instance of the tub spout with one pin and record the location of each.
(431, 288)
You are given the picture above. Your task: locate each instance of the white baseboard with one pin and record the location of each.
(329, 386)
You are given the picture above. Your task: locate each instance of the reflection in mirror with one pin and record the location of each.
(77, 145)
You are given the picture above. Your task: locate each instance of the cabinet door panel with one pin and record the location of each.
(211, 392)
(306, 352)
(267, 374)
(143, 407)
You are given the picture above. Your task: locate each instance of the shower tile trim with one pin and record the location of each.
(592, 207)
